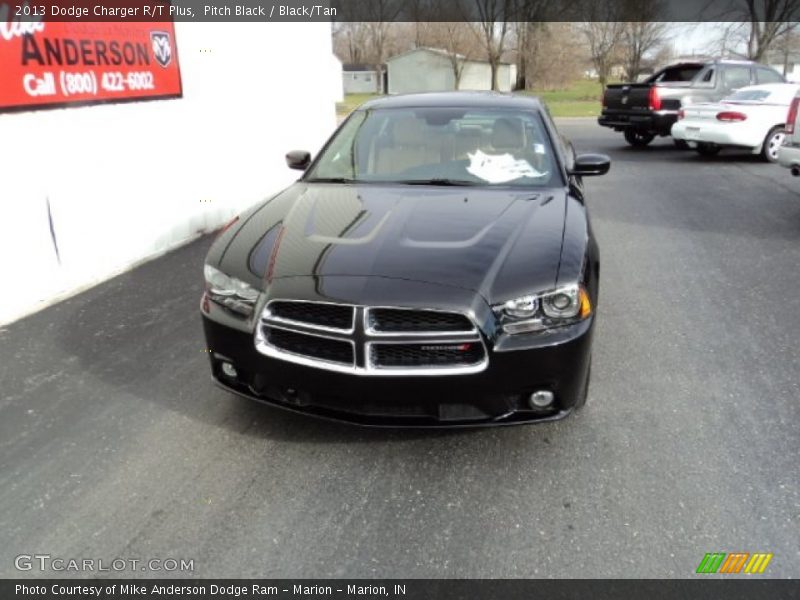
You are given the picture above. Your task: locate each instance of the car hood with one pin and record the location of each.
(499, 243)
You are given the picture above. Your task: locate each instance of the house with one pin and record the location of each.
(431, 70)
(361, 79)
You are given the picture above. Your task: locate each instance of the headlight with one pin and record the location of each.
(523, 307)
(556, 308)
(230, 292)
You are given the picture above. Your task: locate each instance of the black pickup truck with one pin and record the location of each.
(650, 108)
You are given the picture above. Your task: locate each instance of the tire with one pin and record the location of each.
(704, 149)
(638, 139)
(773, 141)
(681, 144)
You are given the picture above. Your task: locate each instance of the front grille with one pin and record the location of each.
(314, 314)
(399, 320)
(311, 346)
(426, 355)
(371, 341)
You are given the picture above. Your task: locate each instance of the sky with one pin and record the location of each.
(695, 38)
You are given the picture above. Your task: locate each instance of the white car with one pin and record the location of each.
(752, 118)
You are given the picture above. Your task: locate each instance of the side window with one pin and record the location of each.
(563, 145)
(705, 78)
(734, 78)
(768, 76)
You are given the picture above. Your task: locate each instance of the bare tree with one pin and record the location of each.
(602, 39)
(602, 31)
(492, 29)
(381, 15)
(753, 26)
(787, 46)
(642, 34)
(456, 39)
(531, 17)
(351, 41)
(730, 42)
(551, 64)
(769, 20)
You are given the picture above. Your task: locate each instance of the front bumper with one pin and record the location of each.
(658, 122)
(494, 396)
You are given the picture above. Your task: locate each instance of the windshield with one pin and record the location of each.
(440, 146)
(773, 94)
(676, 73)
(748, 96)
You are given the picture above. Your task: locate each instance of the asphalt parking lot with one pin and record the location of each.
(114, 443)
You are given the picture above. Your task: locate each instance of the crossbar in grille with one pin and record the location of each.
(402, 320)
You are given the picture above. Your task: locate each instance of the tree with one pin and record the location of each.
(602, 39)
(642, 34)
(753, 26)
(551, 64)
(456, 39)
(532, 17)
(492, 29)
(640, 39)
(351, 41)
(768, 20)
(787, 46)
(603, 33)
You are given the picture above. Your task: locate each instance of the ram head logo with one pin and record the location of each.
(162, 49)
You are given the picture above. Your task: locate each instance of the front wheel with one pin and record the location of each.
(708, 149)
(638, 139)
(772, 143)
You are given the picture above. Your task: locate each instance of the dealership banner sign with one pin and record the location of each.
(47, 64)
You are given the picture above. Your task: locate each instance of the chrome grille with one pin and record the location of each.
(302, 344)
(371, 340)
(426, 355)
(314, 314)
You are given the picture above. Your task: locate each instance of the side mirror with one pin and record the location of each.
(591, 164)
(298, 159)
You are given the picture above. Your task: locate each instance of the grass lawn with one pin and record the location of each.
(581, 99)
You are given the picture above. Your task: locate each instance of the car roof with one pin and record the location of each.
(461, 99)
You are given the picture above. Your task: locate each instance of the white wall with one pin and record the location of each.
(424, 71)
(129, 181)
(360, 82)
(419, 71)
(478, 76)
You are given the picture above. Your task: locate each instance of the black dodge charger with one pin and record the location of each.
(433, 266)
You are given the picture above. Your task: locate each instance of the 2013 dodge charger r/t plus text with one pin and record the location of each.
(433, 266)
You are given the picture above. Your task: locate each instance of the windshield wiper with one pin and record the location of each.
(439, 181)
(330, 180)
